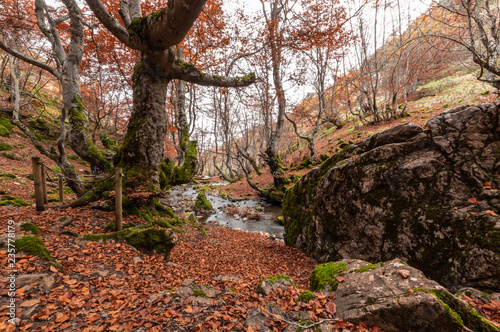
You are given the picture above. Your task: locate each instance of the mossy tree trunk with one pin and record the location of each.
(67, 71)
(142, 149)
(155, 36)
(59, 157)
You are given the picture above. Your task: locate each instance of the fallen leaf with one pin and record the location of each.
(331, 308)
(30, 303)
(52, 268)
(491, 213)
(487, 185)
(404, 273)
(472, 200)
(60, 317)
(71, 282)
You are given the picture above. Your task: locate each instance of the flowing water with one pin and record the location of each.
(266, 224)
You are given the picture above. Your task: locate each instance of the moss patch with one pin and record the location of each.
(202, 203)
(458, 313)
(325, 274)
(274, 279)
(306, 296)
(15, 201)
(33, 245)
(5, 147)
(30, 227)
(148, 239)
(366, 268)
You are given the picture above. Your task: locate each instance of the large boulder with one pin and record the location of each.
(395, 297)
(426, 195)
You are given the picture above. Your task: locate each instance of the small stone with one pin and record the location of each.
(46, 281)
(404, 273)
(137, 260)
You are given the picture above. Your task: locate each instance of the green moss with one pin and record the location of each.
(15, 201)
(274, 279)
(325, 274)
(7, 125)
(4, 131)
(367, 268)
(30, 227)
(5, 147)
(33, 245)
(306, 296)
(8, 175)
(171, 175)
(198, 292)
(148, 239)
(248, 78)
(370, 301)
(137, 25)
(108, 142)
(202, 203)
(459, 314)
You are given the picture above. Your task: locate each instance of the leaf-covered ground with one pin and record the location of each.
(100, 288)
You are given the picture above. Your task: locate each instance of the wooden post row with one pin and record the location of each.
(118, 198)
(37, 179)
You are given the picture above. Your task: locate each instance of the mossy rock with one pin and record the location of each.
(202, 203)
(12, 156)
(30, 227)
(306, 296)
(33, 245)
(5, 147)
(270, 283)
(14, 201)
(148, 239)
(9, 176)
(4, 131)
(459, 314)
(7, 124)
(324, 276)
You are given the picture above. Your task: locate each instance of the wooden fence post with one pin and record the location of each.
(43, 172)
(61, 189)
(118, 198)
(37, 179)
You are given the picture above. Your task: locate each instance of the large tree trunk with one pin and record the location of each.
(142, 150)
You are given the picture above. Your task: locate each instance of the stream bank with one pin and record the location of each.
(251, 215)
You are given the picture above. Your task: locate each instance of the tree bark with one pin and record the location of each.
(142, 149)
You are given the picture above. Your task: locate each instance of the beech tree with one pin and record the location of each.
(473, 24)
(155, 36)
(66, 52)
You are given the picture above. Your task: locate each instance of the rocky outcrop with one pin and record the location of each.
(271, 283)
(396, 297)
(426, 195)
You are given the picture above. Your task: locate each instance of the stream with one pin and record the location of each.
(267, 211)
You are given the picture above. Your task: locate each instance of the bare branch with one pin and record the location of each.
(29, 60)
